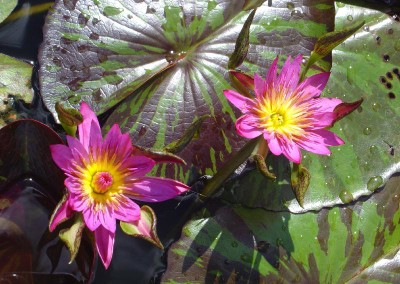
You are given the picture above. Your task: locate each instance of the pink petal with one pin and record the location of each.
(291, 150)
(85, 127)
(325, 104)
(107, 218)
(290, 74)
(73, 185)
(62, 156)
(118, 143)
(239, 101)
(326, 137)
(313, 147)
(323, 120)
(105, 244)
(273, 143)
(247, 126)
(152, 189)
(63, 213)
(272, 73)
(138, 166)
(91, 217)
(127, 210)
(312, 86)
(259, 86)
(78, 152)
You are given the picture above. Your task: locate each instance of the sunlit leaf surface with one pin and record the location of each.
(366, 65)
(101, 51)
(353, 244)
(7, 6)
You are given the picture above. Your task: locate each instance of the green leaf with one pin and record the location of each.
(252, 4)
(371, 152)
(184, 49)
(145, 228)
(15, 80)
(7, 6)
(73, 235)
(356, 243)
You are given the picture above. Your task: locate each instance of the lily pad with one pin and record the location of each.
(7, 6)
(15, 80)
(365, 66)
(346, 244)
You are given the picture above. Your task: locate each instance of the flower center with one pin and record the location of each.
(101, 182)
(277, 119)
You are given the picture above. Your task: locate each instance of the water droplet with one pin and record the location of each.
(366, 28)
(234, 244)
(374, 183)
(246, 258)
(367, 131)
(346, 196)
(74, 99)
(350, 75)
(386, 58)
(290, 5)
(112, 11)
(376, 106)
(297, 13)
(340, 4)
(374, 150)
(263, 246)
(397, 45)
(349, 17)
(142, 130)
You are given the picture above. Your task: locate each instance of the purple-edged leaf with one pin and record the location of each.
(145, 228)
(25, 151)
(356, 243)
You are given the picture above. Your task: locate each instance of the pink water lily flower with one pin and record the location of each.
(102, 176)
(290, 115)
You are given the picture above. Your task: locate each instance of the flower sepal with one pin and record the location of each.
(262, 166)
(300, 180)
(191, 132)
(157, 156)
(242, 82)
(144, 228)
(72, 236)
(344, 109)
(69, 118)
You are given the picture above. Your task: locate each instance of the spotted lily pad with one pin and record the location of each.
(365, 66)
(357, 243)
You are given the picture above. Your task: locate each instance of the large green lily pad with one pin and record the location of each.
(170, 63)
(7, 6)
(358, 243)
(364, 66)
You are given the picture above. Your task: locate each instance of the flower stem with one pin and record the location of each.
(228, 168)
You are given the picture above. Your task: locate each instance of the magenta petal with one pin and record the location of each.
(290, 74)
(118, 143)
(312, 86)
(323, 119)
(62, 156)
(325, 104)
(259, 86)
(91, 218)
(78, 152)
(138, 166)
(73, 185)
(64, 212)
(247, 126)
(107, 219)
(273, 143)
(105, 244)
(127, 210)
(271, 76)
(239, 101)
(314, 147)
(326, 137)
(152, 189)
(85, 127)
(291, 151)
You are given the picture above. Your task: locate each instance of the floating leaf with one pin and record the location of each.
(102, 51)
(371, 153)
(347, 244)
(15, 80)
(7, 6)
